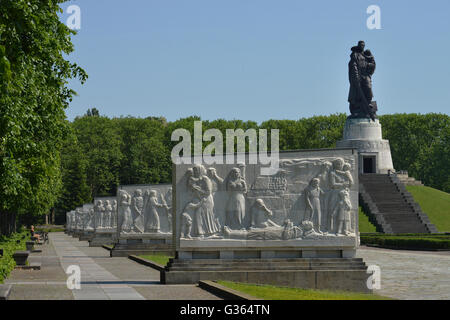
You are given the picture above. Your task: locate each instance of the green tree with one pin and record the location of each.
(75, 190)
(100, 143)
(33, 96)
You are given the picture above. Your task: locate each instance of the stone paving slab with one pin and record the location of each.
(40, 292)
(102, 277)
(409, 274)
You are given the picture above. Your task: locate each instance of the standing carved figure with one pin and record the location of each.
(235, 210)
(204, 221)
(312, 198)
(107, 215)
(124, 212)
(152, 205)
(114, 214)
(99, 214)
(337, 182)
(137, 206)
(360, 70)
(342, 211)
(167, 200)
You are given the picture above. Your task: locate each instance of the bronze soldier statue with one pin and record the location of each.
(360, 70)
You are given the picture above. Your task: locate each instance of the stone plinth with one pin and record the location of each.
(374, 152)
(103, 237)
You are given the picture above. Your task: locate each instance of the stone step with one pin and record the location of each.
(261, 267)
(272, 260)
(243, 264)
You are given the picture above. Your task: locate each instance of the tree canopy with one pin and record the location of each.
(34, 94)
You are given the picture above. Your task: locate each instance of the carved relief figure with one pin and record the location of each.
(204, 221)
(114, 214)
(337, 182)
(125, 212)
(90, 218)
(312, 199)
(99, 214)
(235, 210)
(342, 211)
(108, 215)
(186, 226)
(153, 223)
(167, 200)
(261, 215)
(137, 206)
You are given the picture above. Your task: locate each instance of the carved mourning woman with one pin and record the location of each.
(360, 70)
(204, 222)
(312, 198)
(235, 210)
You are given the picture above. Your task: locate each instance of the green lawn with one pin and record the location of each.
(160, 259)
(282, 293)
(435, 203)
(364, 224)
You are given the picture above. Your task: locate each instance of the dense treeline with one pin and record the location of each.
(33, 97)
(102, 153)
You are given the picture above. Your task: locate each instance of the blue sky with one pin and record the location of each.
(256, 59)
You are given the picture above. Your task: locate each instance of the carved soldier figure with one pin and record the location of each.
(360, 70)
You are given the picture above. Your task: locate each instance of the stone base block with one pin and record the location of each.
(125, 250)
(331, 274)
(86, 236)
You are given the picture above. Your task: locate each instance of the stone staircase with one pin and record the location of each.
(390, 206)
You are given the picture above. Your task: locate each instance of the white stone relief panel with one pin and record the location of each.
(314, 195)
(144, 209)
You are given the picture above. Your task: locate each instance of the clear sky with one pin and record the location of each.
(256, 59)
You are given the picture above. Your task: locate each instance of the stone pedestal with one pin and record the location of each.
(297, 227)
(374, 152)
(103, 237)
(138, 244)
(86, 235)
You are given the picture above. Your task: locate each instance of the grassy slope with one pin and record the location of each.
(281, 293)
(364, 224)
(435, 203)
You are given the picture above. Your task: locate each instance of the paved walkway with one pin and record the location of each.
(102, 277)
(406, 274)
